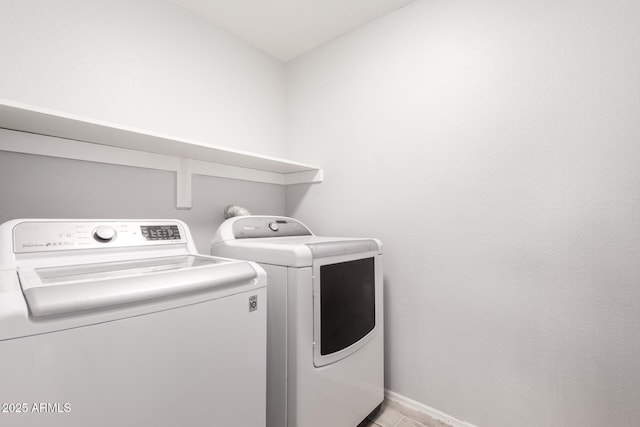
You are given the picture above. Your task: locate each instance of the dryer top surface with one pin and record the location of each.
(290, 244)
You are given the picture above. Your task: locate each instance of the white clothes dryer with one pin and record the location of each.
(325, 362)
(122, 323)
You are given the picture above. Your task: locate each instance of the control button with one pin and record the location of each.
(104, 233)
(274, 226)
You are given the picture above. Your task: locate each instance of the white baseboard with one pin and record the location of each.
(420, 407)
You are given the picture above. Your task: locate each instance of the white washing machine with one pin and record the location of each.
(121, 323)
(325, 363)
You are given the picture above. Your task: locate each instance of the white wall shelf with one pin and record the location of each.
(79, 138)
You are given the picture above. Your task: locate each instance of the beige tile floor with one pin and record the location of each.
(393, 414)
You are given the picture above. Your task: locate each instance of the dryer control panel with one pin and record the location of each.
(250, 227)
(45, 236)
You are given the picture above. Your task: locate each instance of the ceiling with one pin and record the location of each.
(288, 28)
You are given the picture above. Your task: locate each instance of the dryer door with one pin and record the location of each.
(344, 305)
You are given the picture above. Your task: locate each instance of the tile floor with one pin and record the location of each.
(393, 414)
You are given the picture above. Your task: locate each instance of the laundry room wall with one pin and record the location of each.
(44, 187)
(145, 64)
(493, 147)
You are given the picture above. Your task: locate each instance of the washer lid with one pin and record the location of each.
(74, 288)
(110, 270)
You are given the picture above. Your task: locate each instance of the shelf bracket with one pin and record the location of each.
(183, 184)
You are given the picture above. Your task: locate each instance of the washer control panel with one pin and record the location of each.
(160, 232)
(251, 227)
(45, 236)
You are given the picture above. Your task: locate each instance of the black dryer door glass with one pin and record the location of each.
(347, 303)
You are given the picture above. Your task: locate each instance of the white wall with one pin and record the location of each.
(494, 148)
(148, 64)
(44, 187)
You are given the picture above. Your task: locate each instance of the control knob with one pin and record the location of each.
(104, 233)
(273, 226)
